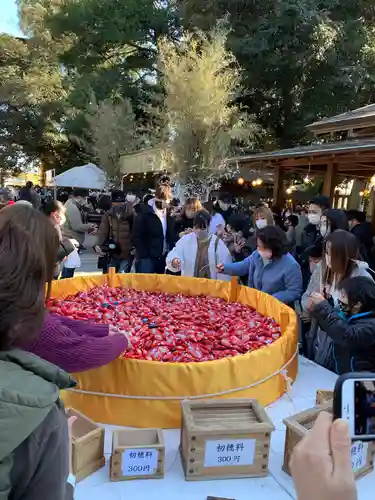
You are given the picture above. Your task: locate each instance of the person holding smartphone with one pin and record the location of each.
(321, 463)
(351, 328)
(340, 261)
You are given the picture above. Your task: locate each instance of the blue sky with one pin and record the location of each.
(9, 17)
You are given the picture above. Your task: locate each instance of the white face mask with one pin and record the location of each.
(261, 223)
(131, 198)
(324, 229)
(313, 266)
(314, 219)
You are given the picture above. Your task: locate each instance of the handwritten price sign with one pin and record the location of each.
(139, 462)
(227, 453)
(359, 455)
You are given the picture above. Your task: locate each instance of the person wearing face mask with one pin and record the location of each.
(134, 201)
(331, 220)
(56, 212)
(115, 234)
(340, 262)
(271, 269)
(311, 236)
(185, 220)
(197, 254)
(224, 206)
(262, 217)
(154, 232)
(217, 224)
(352, 327)
(75, 227)
(236, 236)
(311, 232)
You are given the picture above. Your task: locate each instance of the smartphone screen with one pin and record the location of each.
(358, 407)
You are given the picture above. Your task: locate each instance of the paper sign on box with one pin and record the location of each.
(359, 455)
(138, 462)
(229, 453)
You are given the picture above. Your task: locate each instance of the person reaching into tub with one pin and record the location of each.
(271, 269)
(70, 344)
(197, 254)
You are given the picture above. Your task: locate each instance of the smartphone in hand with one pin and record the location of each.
(354, 401)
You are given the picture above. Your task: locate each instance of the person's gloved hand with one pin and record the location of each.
(321, 463)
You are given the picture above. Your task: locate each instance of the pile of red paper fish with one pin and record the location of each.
(173, 328)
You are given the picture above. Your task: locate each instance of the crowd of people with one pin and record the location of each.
(317, 260)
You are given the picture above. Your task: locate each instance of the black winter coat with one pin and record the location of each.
(226, 215)
(182, 223)
(364, 234)
(310, 237)
(148, 235)
(353, 338)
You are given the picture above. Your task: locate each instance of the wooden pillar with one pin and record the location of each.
(371, 210)
(329, 178)
(278, 188)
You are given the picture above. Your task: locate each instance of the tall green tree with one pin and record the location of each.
(113, 50)
(32, 95)
(201, 79)
(114, 131)
(302, 59)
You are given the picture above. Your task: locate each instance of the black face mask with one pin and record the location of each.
(345, 308)
(159, 204)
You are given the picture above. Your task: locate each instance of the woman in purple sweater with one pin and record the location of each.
(72, 345)
(76, 346)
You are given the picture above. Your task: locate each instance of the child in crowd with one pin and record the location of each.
(352, 328)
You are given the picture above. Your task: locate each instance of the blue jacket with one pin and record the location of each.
(281, 278)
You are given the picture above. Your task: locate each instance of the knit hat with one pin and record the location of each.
(118, 197)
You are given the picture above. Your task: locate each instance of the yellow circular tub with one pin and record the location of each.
(141, 393)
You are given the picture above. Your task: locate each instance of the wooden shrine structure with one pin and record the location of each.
(345, 148)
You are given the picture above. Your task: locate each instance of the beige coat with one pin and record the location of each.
(75, 226)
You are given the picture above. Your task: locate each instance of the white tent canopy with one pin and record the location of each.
(87, 176)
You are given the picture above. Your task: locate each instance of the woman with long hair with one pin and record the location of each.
(340, 261)
(72, 345)
(332, 220)
(34, 439)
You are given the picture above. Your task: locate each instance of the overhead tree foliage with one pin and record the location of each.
(113, 131)
(302, 59)
(32, 95)
(201, 81)
(113, 52)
